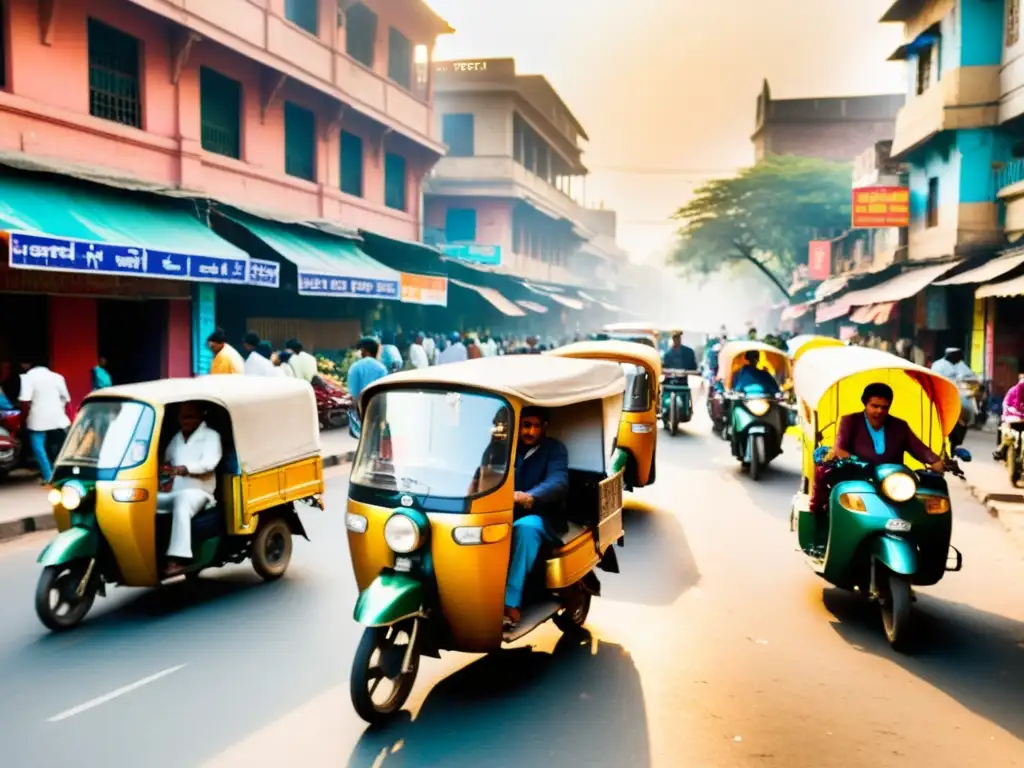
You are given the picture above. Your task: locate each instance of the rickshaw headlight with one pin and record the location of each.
(70, 497)
(54, 497)
(899, 486)
(758, 407)
(402, 534)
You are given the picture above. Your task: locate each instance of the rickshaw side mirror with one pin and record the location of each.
(963, 454)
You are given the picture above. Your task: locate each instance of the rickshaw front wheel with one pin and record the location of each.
(896, 602)
(378, 663)
(574, 615)
(58, 605)
(271, 549)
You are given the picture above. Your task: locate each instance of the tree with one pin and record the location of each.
(766, 216)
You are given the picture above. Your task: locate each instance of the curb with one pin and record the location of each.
(12, 529)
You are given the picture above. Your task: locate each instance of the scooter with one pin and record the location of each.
(676, 399)
(754, 427)
(887, 528)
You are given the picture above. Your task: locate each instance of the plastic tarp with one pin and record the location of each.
(986, 272)
(903, 286)
(1004, 289)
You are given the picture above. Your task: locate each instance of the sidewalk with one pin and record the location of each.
(988, 480)
(24, 509)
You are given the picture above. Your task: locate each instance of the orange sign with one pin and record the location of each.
(424, 289)
(881, 207)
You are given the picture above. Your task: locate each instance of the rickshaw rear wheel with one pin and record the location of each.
(574, 615)
(271, 549)
(896, 603)
(57, 605)
(367, 674)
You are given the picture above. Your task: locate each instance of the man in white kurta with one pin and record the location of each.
(193, 457)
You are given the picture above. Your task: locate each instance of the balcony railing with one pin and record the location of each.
(1009, 174)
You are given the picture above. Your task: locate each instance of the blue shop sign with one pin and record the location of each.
(312, 284)
(59, 254)
(265, 274)
(478, 254)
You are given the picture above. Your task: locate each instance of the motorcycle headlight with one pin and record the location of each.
(758, 407)
(402, 534)
(899, 486)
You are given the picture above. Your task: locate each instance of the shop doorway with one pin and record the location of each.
(132, 336)
(24, 331)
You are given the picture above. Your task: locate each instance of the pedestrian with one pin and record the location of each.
(226, 358)
(303, 363)
(44, 398)
(100, 377)
(256, 362)
(282, 364)
(473, 351)
(363, 372)
(489, 347)
(430, 347)
(390, 355)
(455, 352)
(417, 354)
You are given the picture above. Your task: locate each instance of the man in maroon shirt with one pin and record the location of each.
(874, 436)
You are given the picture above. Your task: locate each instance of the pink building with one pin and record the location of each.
(304, 109)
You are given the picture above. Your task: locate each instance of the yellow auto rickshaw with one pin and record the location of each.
(108, 479)
(638, 429)
(801, 345)
(644, 333)
(882, 527)
(430, 511)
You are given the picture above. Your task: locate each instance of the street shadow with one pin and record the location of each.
(582, 704)
(656, 564)
(973, 656)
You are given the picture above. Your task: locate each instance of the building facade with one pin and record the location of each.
(294, 109)
(513, 179)
(835, 128)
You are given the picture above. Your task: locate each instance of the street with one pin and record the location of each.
(713, 647)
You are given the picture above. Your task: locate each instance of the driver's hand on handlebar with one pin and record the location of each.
(939, 466)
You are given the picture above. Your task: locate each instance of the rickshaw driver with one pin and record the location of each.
(194, 454)
(679, 357)
(541, 483)
(750, 375)
(872, 436)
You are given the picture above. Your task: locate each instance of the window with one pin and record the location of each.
(302, 13)
(220, 110)
(924, 68)
(1012, 22)
(361, 34)
(299, 142)
(399, 58)
(932, 212)
(394, 181)
(460, 225)
(114, 75)
(351, 164)
(457, 133)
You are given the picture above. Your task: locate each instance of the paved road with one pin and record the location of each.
(714, 647)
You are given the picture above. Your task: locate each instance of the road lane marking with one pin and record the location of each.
(112, 695)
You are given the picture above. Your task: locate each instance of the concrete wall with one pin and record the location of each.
(45, 111)
(493, 218)
(832, 141)
(492, 120)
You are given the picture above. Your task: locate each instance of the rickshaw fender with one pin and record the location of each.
(295, 523)
(896, 554)
(389, 599)
(69, 545)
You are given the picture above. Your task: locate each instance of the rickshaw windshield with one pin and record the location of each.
(109, 434)
(637, 397)
(443, 444)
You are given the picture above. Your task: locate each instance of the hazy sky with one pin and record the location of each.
(671, 85)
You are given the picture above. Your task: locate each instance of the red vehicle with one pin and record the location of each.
(332, 404)
(12, 455)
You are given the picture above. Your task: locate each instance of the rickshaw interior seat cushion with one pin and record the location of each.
(584, 500)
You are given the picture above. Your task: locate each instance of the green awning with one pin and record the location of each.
(74, 227)
(327, 265)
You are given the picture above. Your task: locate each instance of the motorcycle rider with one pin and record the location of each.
(1013, 412)
(679, 357)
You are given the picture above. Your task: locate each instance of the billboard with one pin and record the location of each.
(424, 289)
(478, 254)
(881, 207)
(819, 260)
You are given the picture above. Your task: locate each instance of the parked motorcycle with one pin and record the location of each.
(12, 450)
(332, 405)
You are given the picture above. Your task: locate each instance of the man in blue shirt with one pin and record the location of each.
(541, 485)
(361, 374)
(750, 376)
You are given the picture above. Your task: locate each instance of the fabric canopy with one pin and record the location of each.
(327, 265)
(903, 286)
(1006, 288)
(493, 297)
(831, 311)
(795, 312)
(533, 306)
(89, 229)
(986, 272)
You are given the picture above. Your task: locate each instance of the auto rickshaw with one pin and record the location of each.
(638, 429)
(430, 511)
(755, 420)
(644, 333)
(108, 475)
(800, 345)
(887, 527)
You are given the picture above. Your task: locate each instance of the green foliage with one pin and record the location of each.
(765, 216)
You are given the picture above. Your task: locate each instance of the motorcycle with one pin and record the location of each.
(333, 405)
(676, 399)
(1012, 433)
(755, 426)
(12, 448)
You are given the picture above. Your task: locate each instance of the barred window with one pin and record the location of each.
(1012, 22)
(114, 75)
(220, 109)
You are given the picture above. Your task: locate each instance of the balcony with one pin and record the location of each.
(965, 98)
(497, 176)
(257, 33)
(1009, 184)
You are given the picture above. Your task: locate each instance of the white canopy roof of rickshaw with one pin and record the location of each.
(542, 380)
(798, 343)
(613, 349)
(274, 420)
(731, 351)
(818, 371)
